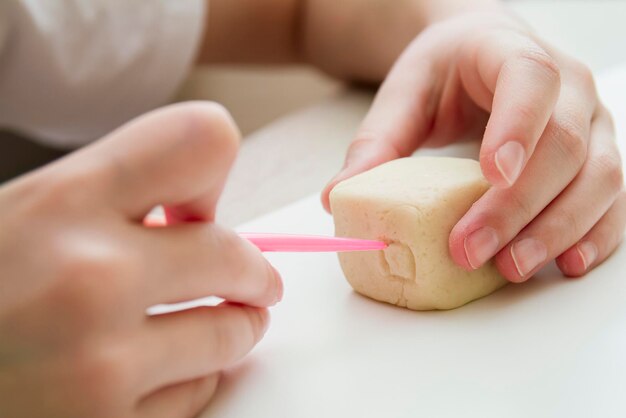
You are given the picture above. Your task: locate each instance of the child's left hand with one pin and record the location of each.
(548, 147)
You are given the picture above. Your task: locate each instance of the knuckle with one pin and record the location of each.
(527, 111)
(205, 138)
(540, 59)
(570, 141)
(92, 279)
(583, 75)
(209, 125)
(565, 220)
(609, 165)
(605, 113)
(79, 264)
(62, 189)
(522, 207)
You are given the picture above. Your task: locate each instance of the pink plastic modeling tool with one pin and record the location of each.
(288, 242)
(310, 243)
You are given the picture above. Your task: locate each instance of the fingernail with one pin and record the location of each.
(480, 246)
(279, 285)
(588, 252)
(510, 160)
(528, 254)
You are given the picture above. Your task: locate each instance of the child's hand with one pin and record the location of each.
(78, 270)
(548, 147)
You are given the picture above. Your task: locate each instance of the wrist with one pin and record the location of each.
(358, 40)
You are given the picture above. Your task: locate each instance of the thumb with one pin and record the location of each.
(400, 119)
(364, 153)
(178, 156)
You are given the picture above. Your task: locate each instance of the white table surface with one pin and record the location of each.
(551, 347)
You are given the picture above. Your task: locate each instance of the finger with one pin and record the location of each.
(193, 343)
(179, 156)
(183, 400)
(500, 214)
(195, 260)
(399, 118)
(598, 244)
(364, 153)
(519, 83)
(572, 214)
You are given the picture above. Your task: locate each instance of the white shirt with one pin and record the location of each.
(73, 70)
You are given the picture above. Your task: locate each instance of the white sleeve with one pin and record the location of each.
(73, 70)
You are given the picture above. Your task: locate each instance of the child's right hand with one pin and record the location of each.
(78, 270)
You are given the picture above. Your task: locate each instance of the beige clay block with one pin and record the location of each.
(413, 204)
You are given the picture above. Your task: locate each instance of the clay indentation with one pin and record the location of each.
(398, 261)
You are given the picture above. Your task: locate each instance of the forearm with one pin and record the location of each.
(251, 31)
(350, 39)
(360, 40)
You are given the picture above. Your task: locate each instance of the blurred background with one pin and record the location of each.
(297, 122)
(592, 30)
